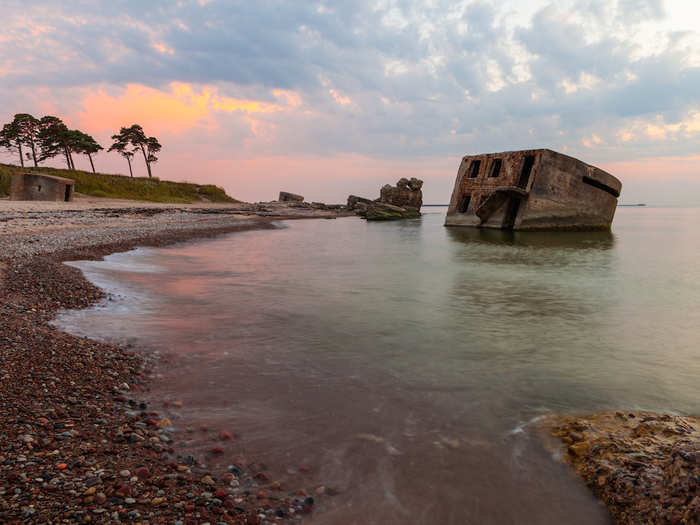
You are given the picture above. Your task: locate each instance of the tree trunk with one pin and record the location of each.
(91, 164)
(70, 156)
(145, 157)
(65, 152)
(21, 159)
(130, 171)
(34, 153)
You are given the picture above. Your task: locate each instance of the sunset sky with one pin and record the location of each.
(331, 98)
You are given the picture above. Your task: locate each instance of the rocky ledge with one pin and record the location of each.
(402, 201)
(643, 466)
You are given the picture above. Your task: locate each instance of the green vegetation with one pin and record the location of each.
(121, 187)
(37, 140)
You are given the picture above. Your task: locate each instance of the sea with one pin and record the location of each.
(397, 370)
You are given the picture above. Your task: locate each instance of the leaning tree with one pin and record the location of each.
(136, 138)
(85, 144)
(124, 149)
(55, 138)
(28, 127)
(10, 138)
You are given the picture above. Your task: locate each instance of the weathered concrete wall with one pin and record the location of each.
(560, 199)
(37, 187)
(560, 192)
(285, 196)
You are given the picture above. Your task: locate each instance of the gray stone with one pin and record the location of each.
(290, 197)
(406, 194)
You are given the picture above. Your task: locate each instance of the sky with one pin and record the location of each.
(331, 98)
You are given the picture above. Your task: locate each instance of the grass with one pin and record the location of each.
(121, 187)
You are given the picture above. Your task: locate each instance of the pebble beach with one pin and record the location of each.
(79, 444)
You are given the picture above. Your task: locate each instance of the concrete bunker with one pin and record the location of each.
(40, 187)
(532, 190)
(285, 196)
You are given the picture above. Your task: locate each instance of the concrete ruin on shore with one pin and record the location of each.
(532, 190)
(38, 187)
(285, 196)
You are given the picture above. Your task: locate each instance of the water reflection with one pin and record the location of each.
(601, 240)
(399, 359)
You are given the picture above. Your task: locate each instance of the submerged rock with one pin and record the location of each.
(379, 211)
(402, 201)
(406, 194)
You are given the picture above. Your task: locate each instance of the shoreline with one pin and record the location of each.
(65, 393)
(643, 466)
(77, 445)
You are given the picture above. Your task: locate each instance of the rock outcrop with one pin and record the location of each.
(290, 197)
(406, 194)
(402, 201)
(645, 467)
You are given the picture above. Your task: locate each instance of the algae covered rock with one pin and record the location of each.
(406, 194)
(378, 211)
(402, 201)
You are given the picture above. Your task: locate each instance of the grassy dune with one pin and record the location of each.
(121, 187)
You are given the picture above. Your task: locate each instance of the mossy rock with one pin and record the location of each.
(387, 212)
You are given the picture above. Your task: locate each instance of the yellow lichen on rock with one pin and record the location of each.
(643, 466)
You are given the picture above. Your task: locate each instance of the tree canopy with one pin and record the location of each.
(54, 139)
(85, 144)
(124, 149)
(137, 139)
(49, 137)
(10, 139)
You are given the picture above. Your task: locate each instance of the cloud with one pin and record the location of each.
(177, 109)
(388, 79)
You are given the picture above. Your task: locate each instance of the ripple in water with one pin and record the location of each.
(403, 361)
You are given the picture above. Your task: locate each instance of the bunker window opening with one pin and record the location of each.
(601, 186)
(464, 204)
(38, 187)
(495, 168)
(526, 171)
(474, 169)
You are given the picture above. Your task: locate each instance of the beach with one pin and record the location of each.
(77, 445)
(81, 444)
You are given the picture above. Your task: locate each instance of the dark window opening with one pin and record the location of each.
(38, 188)
(601, 186)
(511, 214)
(68, 188)
(524, 178)
(474, 169)
(495, 168)
(464, 205)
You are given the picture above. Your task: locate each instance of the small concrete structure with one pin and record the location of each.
(532, 190)
(39, 187)
(290, 197)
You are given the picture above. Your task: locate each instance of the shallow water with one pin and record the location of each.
(403, 361)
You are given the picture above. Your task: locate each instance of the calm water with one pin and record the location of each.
(403, 361)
